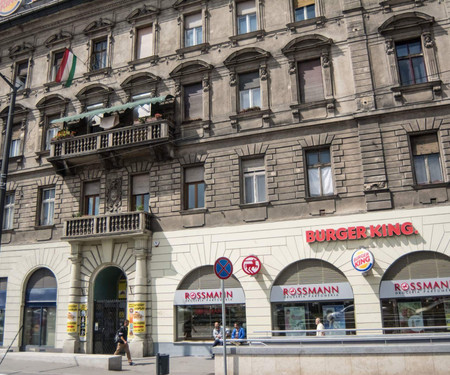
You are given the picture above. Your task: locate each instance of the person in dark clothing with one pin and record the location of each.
(122, 344)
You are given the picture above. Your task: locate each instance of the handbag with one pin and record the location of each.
(117, 338)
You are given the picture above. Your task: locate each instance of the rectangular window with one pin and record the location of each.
(246, 17)
(193, 101)
(99, 54)
(320, 179)
(194, 188)
(427, 159)
(3, 284)
(49, 135)
(91, 198)
(21, 75)
(249, 90)
(144, 42)
(310, 81)
(8, 213)
(14, 149)
(193, 32)
(254, 180)
(411, 64)
(139, 193)
(56, 63)
(304, 9)
(47, 206)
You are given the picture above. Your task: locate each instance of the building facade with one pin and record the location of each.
(295, 131)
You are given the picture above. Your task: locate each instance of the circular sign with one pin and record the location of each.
(251, 265)
(223, 268)
(362, 260)
(8, 7)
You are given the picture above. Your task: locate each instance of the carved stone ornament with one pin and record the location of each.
(292, 67)
(375, 186)
(325, 60)
(428, 41)
(205, 83)
(177, 89)
(263, 72)
(389, 46)
(114, 196)
(232, 79)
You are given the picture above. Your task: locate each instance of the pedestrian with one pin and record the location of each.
(217, 336)
(320, 328)
(238, 333)
(122, 343)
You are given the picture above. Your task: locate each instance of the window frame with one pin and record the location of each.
(319, 166)
(8, 211)
(253, 173)
(196, 184)
(258, 32)
(86, 202)
(409, 58)
(251, 103)
(15, 148)
(427, 168)
(45, 222)
(104, 52)
(304, 99)
(17, 66)
(187, 116)
(144, 196)
(305, 12)
(194, 29)
(54, 66)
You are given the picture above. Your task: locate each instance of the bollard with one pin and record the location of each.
(162, 364)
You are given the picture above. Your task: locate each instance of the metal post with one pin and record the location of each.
(224, 329)
(6, 147)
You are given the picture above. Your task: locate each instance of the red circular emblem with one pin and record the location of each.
(251, 265)
(405, 286)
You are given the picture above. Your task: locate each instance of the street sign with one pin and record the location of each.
(251, 265)
(223, 268)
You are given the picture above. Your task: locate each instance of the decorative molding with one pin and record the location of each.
(59, 38)
(114, 195)
(101, 25)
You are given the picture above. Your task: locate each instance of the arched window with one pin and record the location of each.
(310, 289)
(415, 293)
(198, 302)
(40, 309)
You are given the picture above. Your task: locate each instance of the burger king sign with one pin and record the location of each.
(362, 260)
(8, 7)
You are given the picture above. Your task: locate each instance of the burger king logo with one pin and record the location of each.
(8, 7)
(362, 260)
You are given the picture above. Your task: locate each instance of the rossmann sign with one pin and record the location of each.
(208, 296)
(360, 232)
(415, 288)
(311, 292)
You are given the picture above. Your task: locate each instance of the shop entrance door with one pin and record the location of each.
(108, 316)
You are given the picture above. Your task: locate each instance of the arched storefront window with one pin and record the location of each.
(308, 289)
(415, 293)
(198, 304)
(40, 309)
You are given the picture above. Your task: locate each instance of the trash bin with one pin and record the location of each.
(162, 364)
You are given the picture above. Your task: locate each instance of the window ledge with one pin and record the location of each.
(435, 85)
(320, 103)
(321, 198)
(431, 186)
(144, 60)
(193, 211)
(253, 205)
(203, 47)
(43, 227)
(250, 114)
(103, 71)
(318, 21)
(49, 85)
(258, 34)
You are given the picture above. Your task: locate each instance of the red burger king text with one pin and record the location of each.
(358, 232)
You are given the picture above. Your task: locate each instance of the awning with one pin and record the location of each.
(117, 108)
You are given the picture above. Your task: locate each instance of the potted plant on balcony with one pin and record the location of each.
(145, 119)
(63, 134)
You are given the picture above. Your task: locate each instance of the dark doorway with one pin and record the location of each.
(109, 308)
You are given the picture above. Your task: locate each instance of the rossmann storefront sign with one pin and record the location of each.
(415, 288)
(360, 232)
(311, 292)
(208, 296)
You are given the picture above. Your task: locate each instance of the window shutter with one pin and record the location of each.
(303, 3)
(246, 7)
(248, 81)
(425, 144)
(193, 101)
(144, 42)
(194, 174)
(251, 165)
(194, 20)
(92, 188)
(140, 184)
(311, 84)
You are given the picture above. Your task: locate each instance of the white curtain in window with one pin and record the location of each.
(327, 181)
(144, 42)
(314, 182)
(140, 184)
(194, 20)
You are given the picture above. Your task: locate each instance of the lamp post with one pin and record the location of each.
(6, 147)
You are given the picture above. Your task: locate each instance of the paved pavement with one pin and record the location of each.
(178, 366)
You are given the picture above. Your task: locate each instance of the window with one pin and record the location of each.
(246, 17)
(310, 81)
(320, 180)
(91, 198)
(3, 283)
(304, 9)
(49, 135)
(194, 188)
(56, 63)
(47, 206)
(99, 54)
(411, 64)
(14, 148)
(21, 75)
(254, 180)
(193, 101)
(427, 160)
(8, 213)
(144, 42)
(249, 90)
(139, 194)
(193, 30)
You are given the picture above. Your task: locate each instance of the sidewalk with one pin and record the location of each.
(21, 364)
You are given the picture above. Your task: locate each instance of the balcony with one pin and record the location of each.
(111, 225)
(108, 147)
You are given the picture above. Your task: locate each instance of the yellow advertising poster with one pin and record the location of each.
(122, 289)
(72, 318)
(136, 316)
(83, 321)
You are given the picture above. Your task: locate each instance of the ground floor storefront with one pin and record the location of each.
(385, 272)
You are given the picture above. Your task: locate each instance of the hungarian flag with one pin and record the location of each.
(67, 69)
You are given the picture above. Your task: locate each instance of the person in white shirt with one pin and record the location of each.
(320, 328)
(217, 336)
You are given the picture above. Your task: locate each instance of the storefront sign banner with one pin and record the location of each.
(311, 292)
(72, 318)
(208, 296)
(415, 288)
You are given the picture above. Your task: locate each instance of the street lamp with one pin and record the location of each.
(6, 147)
